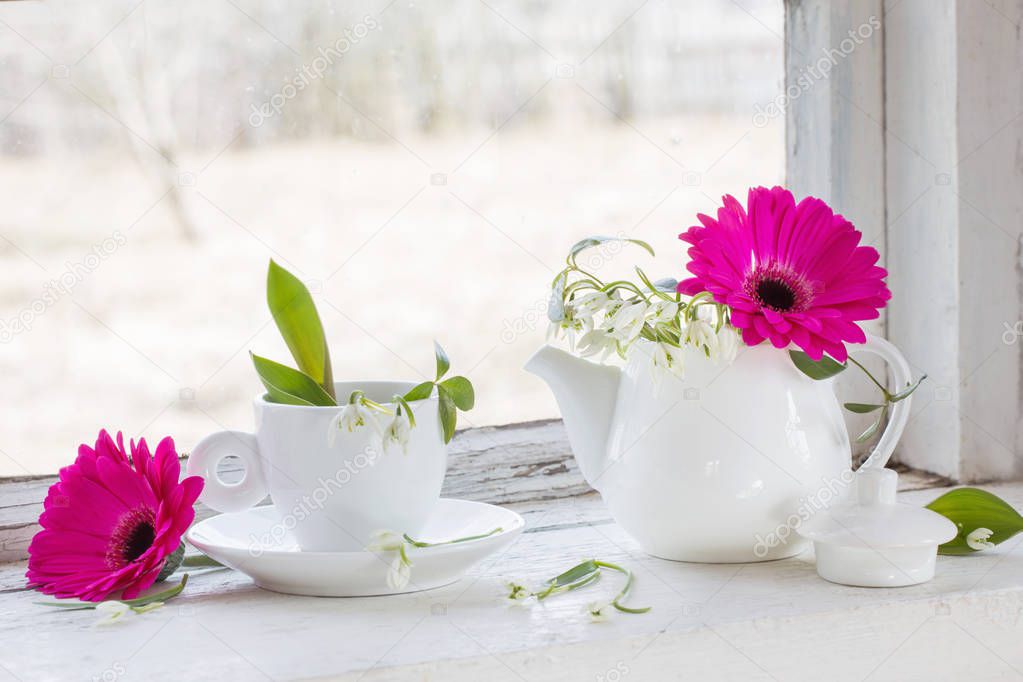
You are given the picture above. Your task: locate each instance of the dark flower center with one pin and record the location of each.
(133, 535)
(774, 293)
(778, 287)
(138, 541)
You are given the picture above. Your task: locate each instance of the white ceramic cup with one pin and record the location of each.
(330, 497)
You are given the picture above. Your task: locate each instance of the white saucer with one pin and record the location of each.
(241, 541)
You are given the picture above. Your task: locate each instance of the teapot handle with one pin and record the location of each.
(900, 412)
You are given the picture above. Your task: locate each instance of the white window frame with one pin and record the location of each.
(914, 135)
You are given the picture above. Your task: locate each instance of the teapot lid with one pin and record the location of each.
(875, 541)
(875, 520)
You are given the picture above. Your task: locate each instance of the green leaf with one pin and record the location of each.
(589, 242)
(461, 392)
(873, 428)
(574, 574)
(295, 313)
(902, 395)
(825, 368)
(289, 386)
(443, 364)
(420, 391)
(862, 408)
(448, 413)
(972, 508)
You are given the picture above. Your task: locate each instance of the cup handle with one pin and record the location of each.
(900, 412)
(229, 497)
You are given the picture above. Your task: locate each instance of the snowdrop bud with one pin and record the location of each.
(728, 344)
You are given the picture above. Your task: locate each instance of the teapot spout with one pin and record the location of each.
(586, 394)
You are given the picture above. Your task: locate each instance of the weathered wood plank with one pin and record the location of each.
(497, 464)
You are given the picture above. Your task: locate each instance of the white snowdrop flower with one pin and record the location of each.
(385, 541)
(668, 358)
(599, 612)
(597, 342)
(728, 344)
(517, 594)
(590, 304)
(700, 333)
(571, 327)
(399, 573)
(398, 432)
(111, 612)
(349, 418)
(663, 311)
(978, 539)
(626, 322)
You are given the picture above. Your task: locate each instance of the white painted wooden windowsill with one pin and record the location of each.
(773, 620)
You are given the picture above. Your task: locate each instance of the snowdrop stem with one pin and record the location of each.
(420, 543)
(629, 579)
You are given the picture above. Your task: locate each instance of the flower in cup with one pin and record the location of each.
(398, 431)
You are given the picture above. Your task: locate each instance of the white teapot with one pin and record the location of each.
(722, 466)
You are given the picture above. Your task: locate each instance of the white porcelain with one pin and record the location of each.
(874, 541)
(255, 543)
(717, 467)
(333, 497)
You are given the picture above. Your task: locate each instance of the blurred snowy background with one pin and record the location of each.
(423, 165)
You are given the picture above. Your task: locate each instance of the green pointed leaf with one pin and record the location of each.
(972, 508)
(443, 364)
(448, 413)
(289, 386)
(862, 408)
(873, 428)
(461, 392)
(573, 575)
(902, 395)
(420, 391)
(825, 368)
(295, 313)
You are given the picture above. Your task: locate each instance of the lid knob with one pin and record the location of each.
(876, 486)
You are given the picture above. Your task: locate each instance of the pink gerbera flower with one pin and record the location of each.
(110, 522)
(791, 273)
